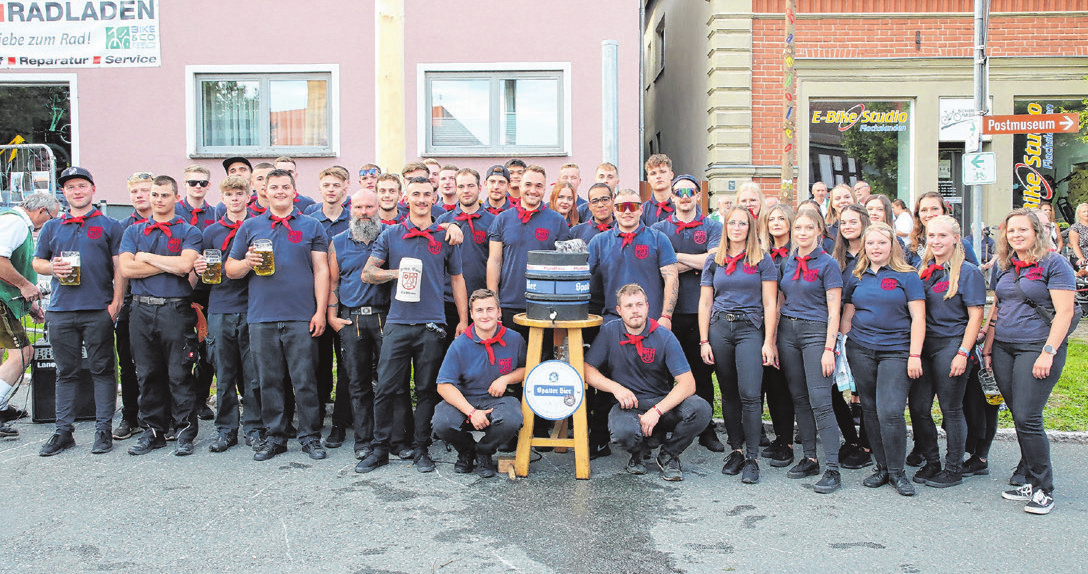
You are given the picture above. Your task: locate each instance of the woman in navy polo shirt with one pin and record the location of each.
(841, 195)
(810, 284)
(885, 319)
(774, 235)
(930, 205)
(1028, 353)
(737, 319)
(855, 452)
(955, 295)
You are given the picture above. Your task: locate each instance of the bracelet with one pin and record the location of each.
(659, 413)
(331, 305)
(829, 349)
(470, 414)
(701, 343)
(963, 352)
(915, 356)
(664, 316)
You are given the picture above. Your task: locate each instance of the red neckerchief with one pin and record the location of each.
(284, 221)
(1022, 265)
(468, 217)
(602, 226)
(388, 221)
(196, 215)
(162, 225)
(233, 227)
(731, 262)
(417, 232)
(636, 340)
(681, 226)
(802, 266)
(449, 207)
(296, 197)
(488, 342)
(256, 208)
(81, 219)
(663, 206)
(136, 218)
(928, 272)
(780, 252)
(523, 215)
(628, 238)
(515, 201)
(494, 210)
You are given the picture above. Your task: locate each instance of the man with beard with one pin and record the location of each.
(497, 184)
(474, 222)
(388, 190)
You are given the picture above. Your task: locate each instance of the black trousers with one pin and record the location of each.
(286, 349)
(130, 385)
(228, 345)
(328, 347)
(69, 332)
(406, 349)
(164, 349)
(361, 345)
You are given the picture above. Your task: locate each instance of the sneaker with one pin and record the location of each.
(8, 431)
(363, 452)
(255, 439)
(268, 450)
(930, 470)
(224, 441)
(184, 447)
(406, 454)
(485, 466)
(709, 439)
(313, 448)
(58, 443)
(423, 461)
(733, 463)
(830, 482)
(944, 479)
(125, 430)
(148, 442)
(599, 451)
(1022, 494)
(915, 458)
(975, 466)
(764, 442)
(670, 467)
(103, 442)
(205, 413)
(336, 437)
(901, 483)
(1019, 475)
(466, 461)
(781, 456)
(877, 479)
(807, 467)
(372, 462)
(750, 474)
(853, 457)
(635, 465)
(10, 413)
(1040, 503)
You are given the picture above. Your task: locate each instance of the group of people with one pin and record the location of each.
(414, 281)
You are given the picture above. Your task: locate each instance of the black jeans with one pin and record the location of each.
(883, 384)
(937, 356)
(686, 328)
(738, 360)
(1026, 397)
(130, 385)
(328, 347)
(981, 416)
(800, 349)
(69, 332)
(361, 346)
(452, 426)
(779, 402)
(285, 350)
(404, 348)
(164, 348)
(236, 372)
(675, 430)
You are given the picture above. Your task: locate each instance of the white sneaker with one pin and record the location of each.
(1022, 494)
(1041, 503)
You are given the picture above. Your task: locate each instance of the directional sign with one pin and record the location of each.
(1031, 124)
(979, 168)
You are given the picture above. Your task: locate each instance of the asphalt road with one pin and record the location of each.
(78, 512)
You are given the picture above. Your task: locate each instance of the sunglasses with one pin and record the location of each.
(196, 182)
(371, 171)
(685, 192)
(630, 206)
(141, 176)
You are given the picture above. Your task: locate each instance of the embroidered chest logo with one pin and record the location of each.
(1034, 274)
(174, 245)
(647, 355)
(700, 237)
(750, 269)
(294, 236)
(541, 234)
(94, 232)
(478, 235)
(208, 222)
(888, 284)
(506, 366)
(811, 275)
(642, 251)
(434, 247)
(940, 287)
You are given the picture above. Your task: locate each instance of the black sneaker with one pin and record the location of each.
(854, 457)
(125, 430)
(1019, 475)
(915, 458)
(485, 466)
(10, 413)
(313, 448)
(8, 431)
(975, 466)
(807, 467)
(423, 462)
(635, 465)
(709, 439)
(764, 442)
(1040, 503)
(184, 447)
(268, 450)
(782, 456)
(775, 445)
(670, 467)
(466, 461)
(224, 441)
(828, 483)
(406, 454)
(58, 443)
(599, 451)
(901, 483)
(733, 463)
(750, 474)
(255, 440)
(205, 413)
(930, 470)
(336, 437)
(148, 442)
(1022, 494)
(944, 479)
(103, 442)
(372, 462)
(877, 479)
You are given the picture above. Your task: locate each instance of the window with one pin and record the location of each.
(659, 49)
(37, 111)
(870, 140)
(263, 112)
(489, 112)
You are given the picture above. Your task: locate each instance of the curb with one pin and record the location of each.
(1062, 437)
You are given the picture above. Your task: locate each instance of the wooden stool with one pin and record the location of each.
(526, 440)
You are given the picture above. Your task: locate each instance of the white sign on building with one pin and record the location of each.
(88, 34)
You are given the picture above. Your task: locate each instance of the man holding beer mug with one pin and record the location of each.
(80, 251)
(156, 257)
(287, 253)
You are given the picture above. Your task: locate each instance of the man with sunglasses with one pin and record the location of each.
(659, 176)
(196, 211)
(693, 236)
(368, 177)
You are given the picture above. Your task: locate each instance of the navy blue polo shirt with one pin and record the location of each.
(740, 292)
(649, 373)
(254, 210)
(583, 210)
(287, 294)
(848, 270)
(881, 317)
(544, 228)
(948, 317)
(182, 236)
(351, 257)
(98, 240)
(468, 366)
(702, 238)
(1017, 322)
(780, 254)
(402, 211)
(614, 265)
(333, 227)
(806, 296)
(589, 229)
(652, 211)
(231, 295)
(474, 249)
(303, 202)
(199, 218)
(132, 220)
(440, 260)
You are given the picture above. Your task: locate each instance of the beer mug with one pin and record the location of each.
(267, 265)
(72, 278)
(213, 273)
(408, 283)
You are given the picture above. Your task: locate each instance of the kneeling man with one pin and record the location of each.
(636, 360)
(478, 366)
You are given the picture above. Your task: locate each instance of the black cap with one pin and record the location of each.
(686, 177)
(498, 170)
(74, 173)
(233, 160)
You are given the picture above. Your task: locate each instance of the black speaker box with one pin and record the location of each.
(43, 376)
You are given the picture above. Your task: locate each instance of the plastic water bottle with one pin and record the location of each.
(986, 380)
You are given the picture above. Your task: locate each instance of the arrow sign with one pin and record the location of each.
(976, 161)
(979, 168)
(1031, 124)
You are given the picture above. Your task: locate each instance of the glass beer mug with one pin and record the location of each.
(213, 273)
(72, 278)
(267, 266)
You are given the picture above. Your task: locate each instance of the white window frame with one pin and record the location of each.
(423, 110)
(192, 114)
(73, 99)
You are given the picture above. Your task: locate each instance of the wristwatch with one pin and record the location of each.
(1050, 350)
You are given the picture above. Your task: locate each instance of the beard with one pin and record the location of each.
(365, 230)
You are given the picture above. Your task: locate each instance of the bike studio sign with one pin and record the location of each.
(81, 34)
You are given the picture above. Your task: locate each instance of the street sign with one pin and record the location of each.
(979, 168)
(972, 142)
(1031, 124)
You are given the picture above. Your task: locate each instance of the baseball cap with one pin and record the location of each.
(498, 170)
(74, 173)
(232, 160)
(686, 177)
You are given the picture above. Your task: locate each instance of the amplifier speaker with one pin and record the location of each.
(43, 376)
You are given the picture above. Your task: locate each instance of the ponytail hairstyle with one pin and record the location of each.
(955, 263)
(842, 244)
(751, 243)
(896, 263)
